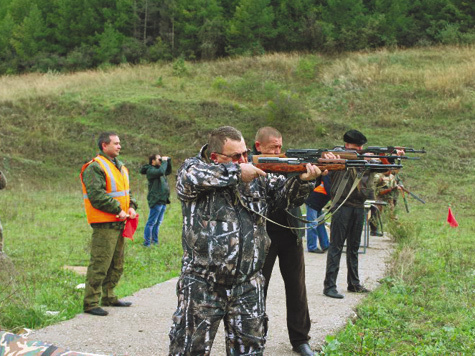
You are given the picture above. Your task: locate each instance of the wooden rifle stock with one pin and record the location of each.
(296, 168)
(286, 167)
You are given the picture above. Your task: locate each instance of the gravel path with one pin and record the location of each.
(142, 330)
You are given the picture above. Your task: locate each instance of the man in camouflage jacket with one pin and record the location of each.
(224, 204)
(3, 184)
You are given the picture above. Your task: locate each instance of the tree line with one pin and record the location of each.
(42, 35)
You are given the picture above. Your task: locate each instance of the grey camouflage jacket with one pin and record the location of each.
(224, 240)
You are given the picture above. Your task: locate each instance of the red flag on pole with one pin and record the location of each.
(451, 219)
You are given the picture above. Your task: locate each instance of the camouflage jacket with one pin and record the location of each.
(3, 180)
(224, 240)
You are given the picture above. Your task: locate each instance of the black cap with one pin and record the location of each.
(354, 136)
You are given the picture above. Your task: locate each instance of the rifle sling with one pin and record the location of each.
(322, 217)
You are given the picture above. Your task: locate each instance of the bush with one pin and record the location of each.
(80, 58)
(285, 110)
(179, 67)
(46, 62)
(133, 50)
(159, 51)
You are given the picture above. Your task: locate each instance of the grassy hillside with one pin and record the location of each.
(418, 97)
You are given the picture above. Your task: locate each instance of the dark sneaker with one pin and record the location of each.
(316, 251)
(97, 311)
(332, 293)
(358, 289)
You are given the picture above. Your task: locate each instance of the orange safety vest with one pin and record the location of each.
(320, 189)
(117, 187)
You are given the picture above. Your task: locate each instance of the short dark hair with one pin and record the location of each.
(152, 157)
(105, 137)
(266, 132)
(218, 137)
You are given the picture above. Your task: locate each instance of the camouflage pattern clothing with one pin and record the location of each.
(224, 247)
(107, 247)
(3, 184)
(18, 345)
(382, 183)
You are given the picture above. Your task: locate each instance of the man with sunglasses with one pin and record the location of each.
(225, 201)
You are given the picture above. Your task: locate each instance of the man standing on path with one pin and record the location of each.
(105, 185)
(158, 195)
(287, 245)
(3, 184)
(224, 204)
(347, 221)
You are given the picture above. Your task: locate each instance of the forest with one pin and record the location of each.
(72, 35)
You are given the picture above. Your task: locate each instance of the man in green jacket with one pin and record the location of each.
(108, 204)
(156, 170)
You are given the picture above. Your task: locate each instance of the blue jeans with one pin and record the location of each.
(316, 231)
(155, 218)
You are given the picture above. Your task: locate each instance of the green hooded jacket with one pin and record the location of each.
(158, 189)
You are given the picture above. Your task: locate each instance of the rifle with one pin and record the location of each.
(388, 149)
(283, 164)
(403, 188)
(343, 153)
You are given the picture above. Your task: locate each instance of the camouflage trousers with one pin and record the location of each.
(202, 306)
(105, 267)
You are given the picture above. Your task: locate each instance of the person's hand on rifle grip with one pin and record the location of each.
(313, 172)
(250, 172)
(400, 152)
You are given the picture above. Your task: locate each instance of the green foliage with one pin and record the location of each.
(251, 27)
(152, 30)
(180, 68)
(109, 44)
(307, 68)
(285, 110)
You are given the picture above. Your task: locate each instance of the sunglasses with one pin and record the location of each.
(236, 156)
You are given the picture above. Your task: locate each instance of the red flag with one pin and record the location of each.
(451, 219)
(130, 227)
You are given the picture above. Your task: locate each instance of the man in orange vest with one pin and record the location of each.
(105, 186)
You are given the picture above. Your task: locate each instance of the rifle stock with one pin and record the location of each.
(279, 164)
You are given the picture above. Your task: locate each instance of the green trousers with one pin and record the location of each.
(105, 267)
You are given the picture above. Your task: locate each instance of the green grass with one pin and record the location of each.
(46, 231)
(417, 97)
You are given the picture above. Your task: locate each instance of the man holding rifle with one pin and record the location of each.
(347, 221)
(287, 245)
(225, 201)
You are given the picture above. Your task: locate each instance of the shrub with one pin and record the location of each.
(80, 58)
(285, 110)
